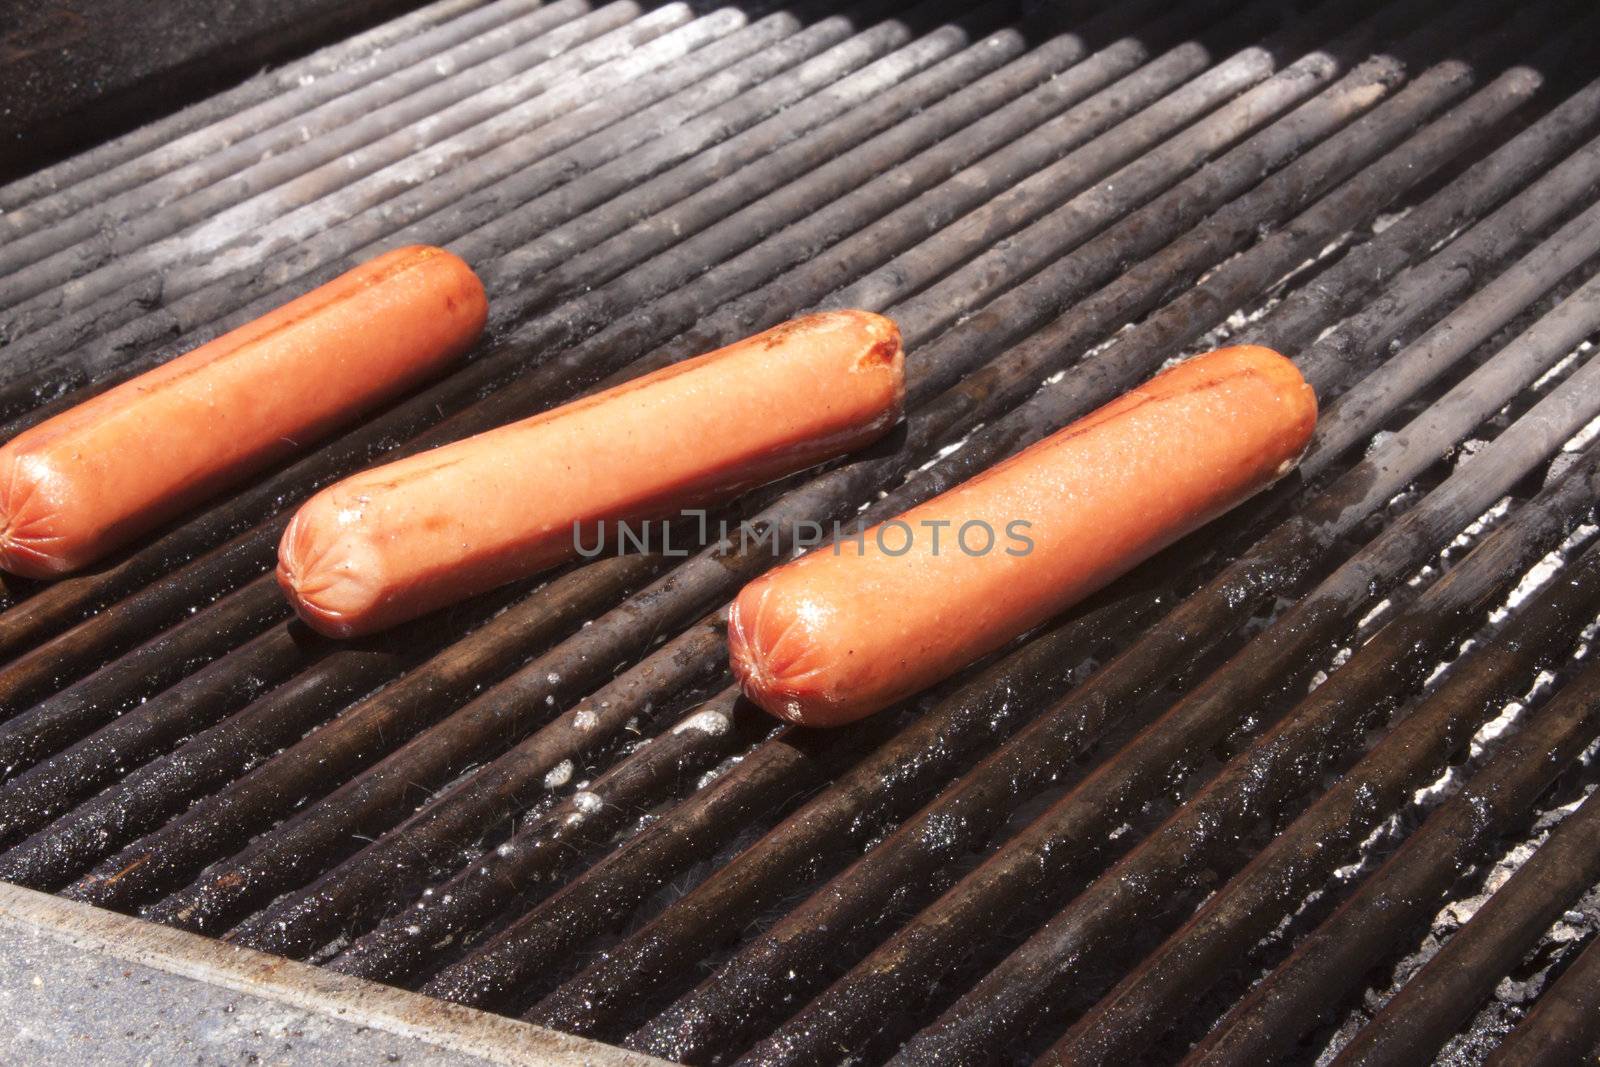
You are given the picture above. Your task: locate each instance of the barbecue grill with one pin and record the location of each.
(1313, 785)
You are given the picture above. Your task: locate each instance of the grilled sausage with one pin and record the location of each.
(851, 628)
(394, 542)
(92, 478)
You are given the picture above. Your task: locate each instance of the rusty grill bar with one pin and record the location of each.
(1214, 815)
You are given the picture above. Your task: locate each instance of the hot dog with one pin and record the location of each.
(397, 541)
(92, 478)
(853, 627)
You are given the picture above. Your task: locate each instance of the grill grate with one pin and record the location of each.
(1190, 821)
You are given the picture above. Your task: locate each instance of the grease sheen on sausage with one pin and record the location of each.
(849, 629)
(396, 541)
(94, 477)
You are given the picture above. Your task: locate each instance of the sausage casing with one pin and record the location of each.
(853, 627)
(396, 541)
(87, 481)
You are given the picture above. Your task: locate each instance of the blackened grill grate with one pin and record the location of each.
(1201, 818)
